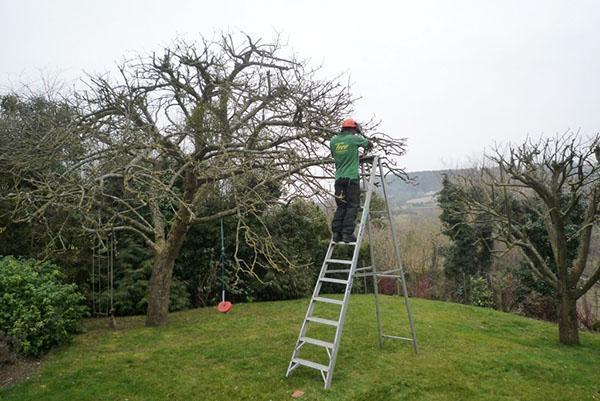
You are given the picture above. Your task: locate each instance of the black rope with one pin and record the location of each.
(222, 262)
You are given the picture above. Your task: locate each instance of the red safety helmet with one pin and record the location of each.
(349, 123)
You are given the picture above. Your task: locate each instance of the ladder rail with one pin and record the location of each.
(400, 267)
(310, 309)
(379, 175)
(375, 290)
(355, 254)
(362, 177)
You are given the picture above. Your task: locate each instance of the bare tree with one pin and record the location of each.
(200, 132)
(557, 181)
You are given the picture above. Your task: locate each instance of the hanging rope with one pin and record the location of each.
(223, 306)
(94, 277)
(112, 323)
(109, 248)
(222, 262)
(103, 272)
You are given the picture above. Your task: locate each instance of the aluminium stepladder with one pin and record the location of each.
(371, 175)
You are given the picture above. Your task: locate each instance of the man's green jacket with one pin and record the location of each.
(344, 149)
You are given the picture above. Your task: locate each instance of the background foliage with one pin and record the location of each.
(36, 307)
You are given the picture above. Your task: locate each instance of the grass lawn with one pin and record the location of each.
(467, 353)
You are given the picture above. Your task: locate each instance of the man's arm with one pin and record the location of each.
(364, 143)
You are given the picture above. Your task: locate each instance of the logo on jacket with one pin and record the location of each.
(341, 147)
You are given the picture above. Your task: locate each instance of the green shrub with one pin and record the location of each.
(539, 306)
(481, 293)
(36, 307)
(596, 326)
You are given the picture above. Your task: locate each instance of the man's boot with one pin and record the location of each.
(337, 237)
(349, 238)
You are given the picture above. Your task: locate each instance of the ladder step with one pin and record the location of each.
(397, 337)
(339, 271)
(334, 280)
(339, 261)
(314, 341)
(310, 364)
(323, 321)
(329, 300)
(344, 243)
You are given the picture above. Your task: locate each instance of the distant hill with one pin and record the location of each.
(425, 184)
(420, 192)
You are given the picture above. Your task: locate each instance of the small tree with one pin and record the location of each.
(470, 249)
(551, 179)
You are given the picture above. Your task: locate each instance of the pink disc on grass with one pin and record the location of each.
(224, 306)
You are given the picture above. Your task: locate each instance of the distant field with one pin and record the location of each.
(467, 353)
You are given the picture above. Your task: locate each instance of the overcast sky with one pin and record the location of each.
(451, 76)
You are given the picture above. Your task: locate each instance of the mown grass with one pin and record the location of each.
(467, 353)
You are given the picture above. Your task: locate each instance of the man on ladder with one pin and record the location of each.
(341, 272)
(344, 149)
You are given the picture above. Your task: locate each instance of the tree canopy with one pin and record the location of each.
(199, 132)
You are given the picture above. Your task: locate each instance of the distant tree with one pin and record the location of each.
(226, 119)
(543, 199)
(535, 292)
(421, 246)
(36, 140)
(469, 253)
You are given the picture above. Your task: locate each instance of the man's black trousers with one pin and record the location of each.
(347, 199)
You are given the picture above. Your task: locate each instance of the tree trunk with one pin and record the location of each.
(568, 329)
(159, 287)
(466, 288)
